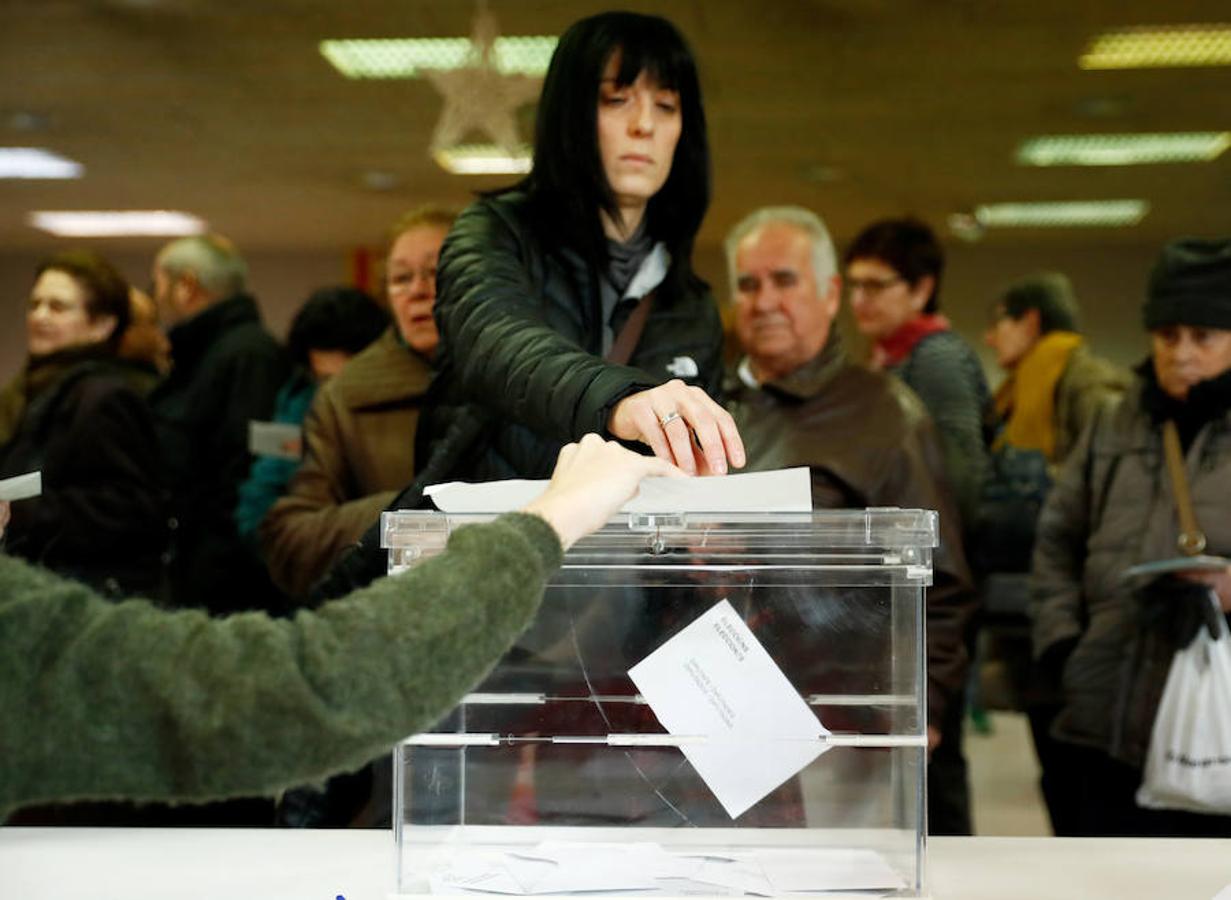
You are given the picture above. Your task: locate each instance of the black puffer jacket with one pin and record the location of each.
(521, 341)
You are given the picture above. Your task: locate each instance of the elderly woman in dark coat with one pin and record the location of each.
(1109, 641)
(77, 413)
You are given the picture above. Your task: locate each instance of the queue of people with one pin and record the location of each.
(563, 307)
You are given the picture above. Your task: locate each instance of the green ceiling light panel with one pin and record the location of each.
(409, 57)
(1063, 214)
(1123, 149)
(484, 159)
(1159, 46)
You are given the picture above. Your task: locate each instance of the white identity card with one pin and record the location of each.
(280, 440)
(715, 682)
(22, 487)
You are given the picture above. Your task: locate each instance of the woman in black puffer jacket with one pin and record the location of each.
(538, 284)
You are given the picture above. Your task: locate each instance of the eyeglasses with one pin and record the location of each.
(405, 279)
(872, 287)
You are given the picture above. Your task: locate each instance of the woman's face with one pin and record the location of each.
(881, 299)
(1011, 338)
(57, 317)
(639, 125)
(411, 281)
(1184, 356)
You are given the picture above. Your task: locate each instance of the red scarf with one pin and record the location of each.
(895, 348)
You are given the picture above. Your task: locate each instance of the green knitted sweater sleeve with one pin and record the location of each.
(103, 700)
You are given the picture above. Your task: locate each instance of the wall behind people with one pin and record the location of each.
(1107, 278)
(279, 280)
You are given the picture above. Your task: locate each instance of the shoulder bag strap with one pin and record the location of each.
(1191, 540)
(626, 341)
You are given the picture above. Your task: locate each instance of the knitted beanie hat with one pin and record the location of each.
(1191, 285)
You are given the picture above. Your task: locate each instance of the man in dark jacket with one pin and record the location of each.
(227, 371)
(864, 435)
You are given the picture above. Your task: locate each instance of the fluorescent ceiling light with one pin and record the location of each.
(1158, 46)
(1122, 149)
(117, 223)
(484, 159)
(32, 162)
(1064, 214)
(409, 57)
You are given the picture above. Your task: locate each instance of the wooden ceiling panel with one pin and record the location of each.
(860, 109)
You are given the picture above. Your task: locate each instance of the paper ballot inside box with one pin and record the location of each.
(714, 681)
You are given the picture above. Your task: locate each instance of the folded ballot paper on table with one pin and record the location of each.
(562, 867)
(783, 490)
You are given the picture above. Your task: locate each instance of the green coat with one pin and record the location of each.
(102, 700)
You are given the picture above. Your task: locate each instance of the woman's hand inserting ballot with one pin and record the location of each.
(681, 424)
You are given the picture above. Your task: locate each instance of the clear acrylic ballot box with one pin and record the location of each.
(713, 705)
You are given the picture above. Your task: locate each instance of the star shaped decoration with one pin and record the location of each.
(478, 97)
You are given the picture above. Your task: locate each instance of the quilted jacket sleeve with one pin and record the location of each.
(1056, 596)
(503, 350)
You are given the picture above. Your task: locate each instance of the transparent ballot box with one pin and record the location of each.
(714, 705)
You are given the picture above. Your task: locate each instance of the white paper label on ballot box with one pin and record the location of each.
(715, 680)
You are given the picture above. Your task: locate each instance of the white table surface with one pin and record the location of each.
(136, 863)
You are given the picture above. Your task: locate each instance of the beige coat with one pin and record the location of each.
(359, 441)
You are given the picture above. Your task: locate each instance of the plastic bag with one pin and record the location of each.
(1188, 765)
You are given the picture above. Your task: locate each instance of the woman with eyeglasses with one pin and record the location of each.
(568, 303)
(892, 279)
(359, 433)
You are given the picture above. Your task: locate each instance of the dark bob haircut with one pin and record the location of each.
(1051, 294)
(335, 318)
(908, 246)
(568, 182)
(106, 291)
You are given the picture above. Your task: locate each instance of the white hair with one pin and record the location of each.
(213, 259)
(824, 257)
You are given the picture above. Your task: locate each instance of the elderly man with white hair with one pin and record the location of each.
(227, 371)
(799, 400)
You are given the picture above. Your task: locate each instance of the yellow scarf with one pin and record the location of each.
(1027, 399)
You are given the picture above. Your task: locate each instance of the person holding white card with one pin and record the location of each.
(77, 413)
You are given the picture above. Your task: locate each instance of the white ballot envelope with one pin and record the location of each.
(715, 682)
(783, 490)
(280, 440)
(22, 487)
